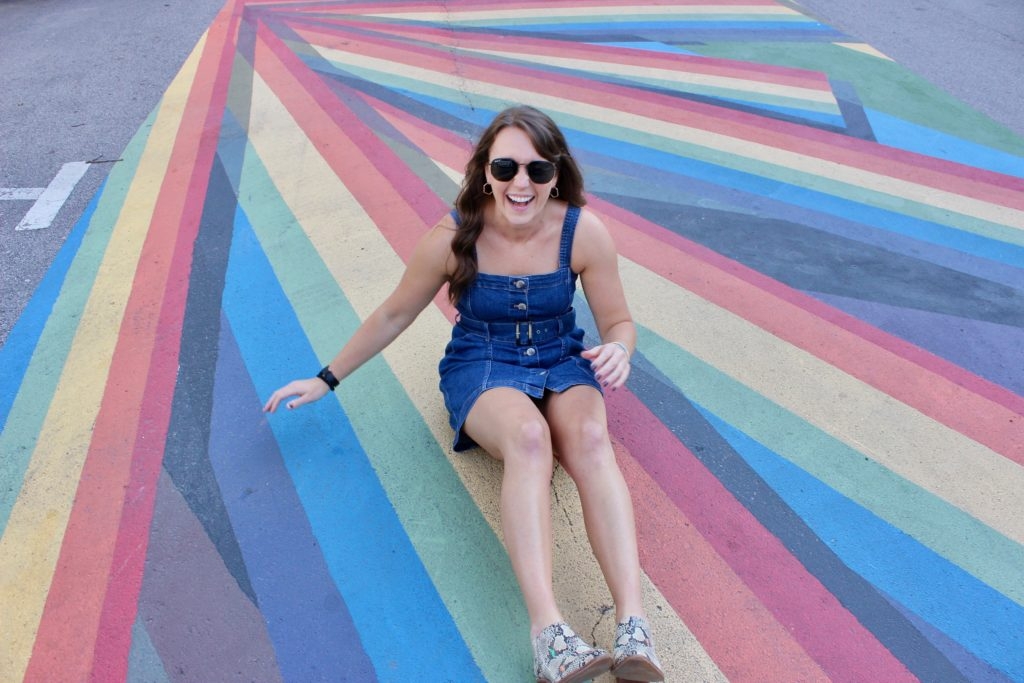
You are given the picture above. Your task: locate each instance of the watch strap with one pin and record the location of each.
(328, 377)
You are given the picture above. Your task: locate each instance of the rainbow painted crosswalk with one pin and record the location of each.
(823, 432)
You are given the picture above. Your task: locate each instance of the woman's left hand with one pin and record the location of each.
(610, 363)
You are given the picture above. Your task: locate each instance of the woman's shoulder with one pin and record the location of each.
(436, 243)
(592, 240)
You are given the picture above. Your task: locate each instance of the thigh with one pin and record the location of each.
(501, 418)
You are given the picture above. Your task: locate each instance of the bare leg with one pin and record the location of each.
(508, 425)
(579, 431)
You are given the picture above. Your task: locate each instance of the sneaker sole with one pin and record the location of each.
(637, 669)
(592, 670)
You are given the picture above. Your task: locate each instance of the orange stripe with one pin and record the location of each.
(841, 150)
(754, 596)
(69, 629)
(977, 408)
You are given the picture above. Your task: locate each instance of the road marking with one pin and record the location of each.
(50, 200)
(15, 194)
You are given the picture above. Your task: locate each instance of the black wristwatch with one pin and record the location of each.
(328, 377)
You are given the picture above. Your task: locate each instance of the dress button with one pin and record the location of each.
(521, 306)
(520, 284)
(531, 351)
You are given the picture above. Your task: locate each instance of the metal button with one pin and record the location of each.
(521, 306)
(531, 351)
(520, 284)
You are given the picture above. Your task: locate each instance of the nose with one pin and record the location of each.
(522, 177)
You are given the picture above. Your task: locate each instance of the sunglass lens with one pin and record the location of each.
(540, 171)
(504, 169)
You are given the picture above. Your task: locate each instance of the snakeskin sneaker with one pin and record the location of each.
(633, 658)
(561, 656)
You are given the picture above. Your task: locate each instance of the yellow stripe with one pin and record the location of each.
(865, 48)
(32, 540)
(586, 12)
(366, 267)
(813, 167)
(939, 459)
(680, 76)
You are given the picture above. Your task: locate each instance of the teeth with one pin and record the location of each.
(519, 200)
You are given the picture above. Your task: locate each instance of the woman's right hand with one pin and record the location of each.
(305, 391)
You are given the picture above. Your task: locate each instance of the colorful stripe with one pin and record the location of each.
(823, 432)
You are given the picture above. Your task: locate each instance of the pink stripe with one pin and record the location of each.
(979, 409)
(767, 73)
(671, 490)
(929, 171)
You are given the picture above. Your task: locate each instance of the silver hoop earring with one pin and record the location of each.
(555, 193)
(488, 190)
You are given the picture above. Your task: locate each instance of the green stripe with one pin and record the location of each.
(438, 514)
(949, 531)
(881, 84)
(28, 412)
(783, 174)
(626, 18)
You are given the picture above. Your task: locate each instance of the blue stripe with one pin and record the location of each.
(16, 352)
(625, 25)
(982, 620)
(307, 620)
(895, 132)
(365, 547)
(761, 186)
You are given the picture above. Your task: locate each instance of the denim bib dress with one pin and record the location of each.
(516, 331)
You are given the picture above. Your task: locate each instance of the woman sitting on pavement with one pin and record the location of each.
(516, 378)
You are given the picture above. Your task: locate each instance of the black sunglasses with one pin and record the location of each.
(539, 171)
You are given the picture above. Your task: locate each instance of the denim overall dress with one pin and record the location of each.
(515, 331)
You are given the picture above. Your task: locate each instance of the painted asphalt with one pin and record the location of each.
(823, 431)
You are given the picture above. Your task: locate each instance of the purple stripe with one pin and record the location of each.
(978, 346)
(309, 623)
(192, 607)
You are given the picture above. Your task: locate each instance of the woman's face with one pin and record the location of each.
(519, 199)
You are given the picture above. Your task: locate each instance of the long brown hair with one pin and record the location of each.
(469, 205)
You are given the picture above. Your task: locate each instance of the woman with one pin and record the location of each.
(515, 377)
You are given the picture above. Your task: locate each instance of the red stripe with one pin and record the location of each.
(489, 5)
(482, 39)
(723, 604)
(86, 627)
(977, 408)
(836, 149)
(984, 411)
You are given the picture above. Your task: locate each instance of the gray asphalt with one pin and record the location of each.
(78, 78)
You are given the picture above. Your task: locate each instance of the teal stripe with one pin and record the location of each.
(974, 615)
(440, 517)
(29, 409)
(949, 531)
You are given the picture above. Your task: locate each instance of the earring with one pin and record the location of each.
(487, 189)
(555, 193)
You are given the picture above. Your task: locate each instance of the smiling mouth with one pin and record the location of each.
(519, 201)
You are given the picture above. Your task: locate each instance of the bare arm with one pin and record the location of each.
(424, 275)
(596, 260)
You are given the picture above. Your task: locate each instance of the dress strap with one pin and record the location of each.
(572, 215)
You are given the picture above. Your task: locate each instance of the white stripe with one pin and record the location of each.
(15, 194)
(53, 197)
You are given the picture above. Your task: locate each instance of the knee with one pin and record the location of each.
(530, 443)
(589, 450)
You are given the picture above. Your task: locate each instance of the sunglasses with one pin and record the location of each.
(539, 171)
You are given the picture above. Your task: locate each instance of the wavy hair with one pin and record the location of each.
(549, 142)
